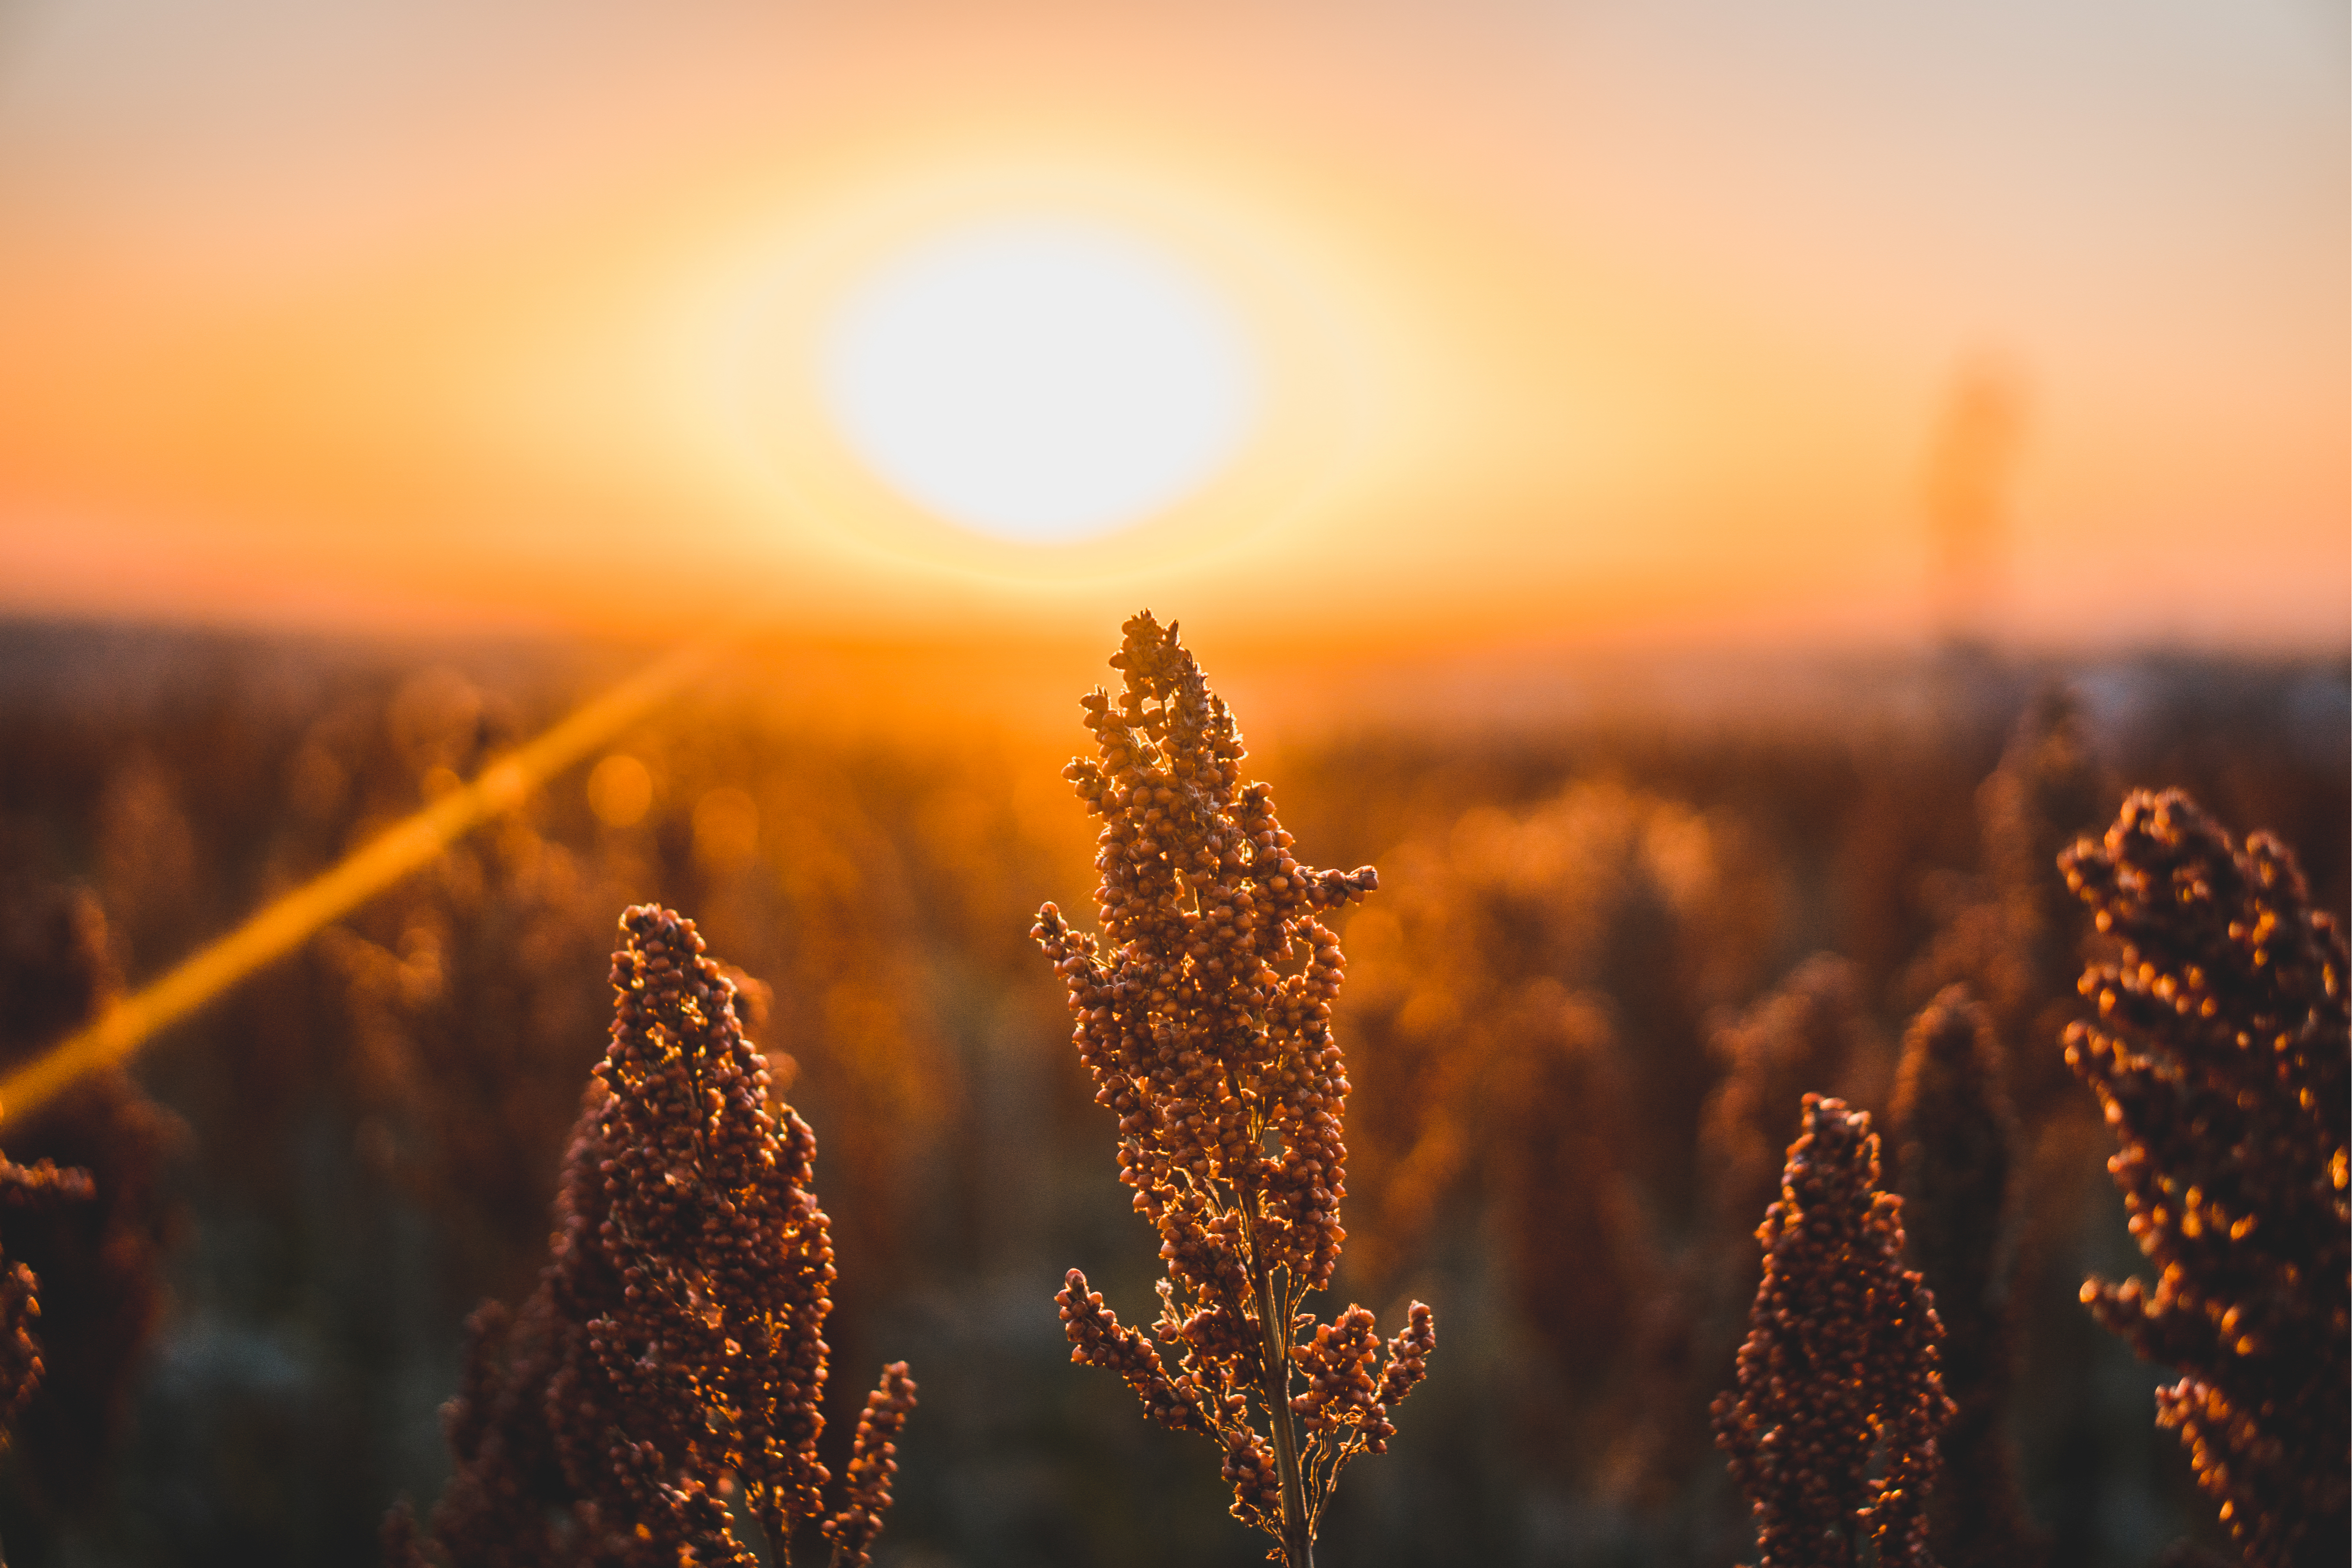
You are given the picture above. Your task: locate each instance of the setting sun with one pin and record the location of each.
(1039, 381)
(1500, 326)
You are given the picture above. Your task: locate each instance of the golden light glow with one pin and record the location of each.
(1568, 324)
(1345, 377)
(1037, 380)
(286, 922)
(620, 791)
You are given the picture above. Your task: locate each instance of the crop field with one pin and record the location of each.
(1539, 1071)
(1099, 784)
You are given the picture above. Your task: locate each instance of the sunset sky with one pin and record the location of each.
(1674, 322)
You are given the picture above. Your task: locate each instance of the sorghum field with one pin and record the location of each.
(1607, 950)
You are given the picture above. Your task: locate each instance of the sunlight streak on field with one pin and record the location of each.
(283, 925)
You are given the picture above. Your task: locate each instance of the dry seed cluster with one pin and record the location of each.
(1203, 1012)
(2219, 1056)
(673, 1355)
(1840, 1361)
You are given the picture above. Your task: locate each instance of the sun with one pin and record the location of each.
(1039, 380)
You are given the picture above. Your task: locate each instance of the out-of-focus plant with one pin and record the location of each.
(1810, 1032)
(2219, 1055)
(1956, 1161)
(1229, 1088)
(1840, 1365)
(673, 1353)
(35, 1186)
(99, 1261)
(800, 851)
(2011, 932)
(462, 989)
(54, 973)
(1528, 1020)
(465, 996)
(1644, 911)
(1503, 918)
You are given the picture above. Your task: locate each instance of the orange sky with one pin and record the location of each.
(1622, 324)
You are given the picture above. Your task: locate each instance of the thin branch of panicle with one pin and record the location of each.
(873, 1462)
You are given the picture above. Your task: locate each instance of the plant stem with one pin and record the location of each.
(1297, 1536)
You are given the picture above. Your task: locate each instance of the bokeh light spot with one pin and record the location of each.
(620, 790)
(726, 829)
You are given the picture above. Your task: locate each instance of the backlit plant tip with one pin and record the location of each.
(1203, 1012)
(2220, 1055)
(1840, 1363)
(672, 1365)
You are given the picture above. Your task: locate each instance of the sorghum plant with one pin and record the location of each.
(2219, 1056)
(2049, 788)
(2013, 933)
(1523, 1025)
(1956, 1159)
(1624, 915)
(1839, 1366)
(1229, 1088)
(39, 1185)
(1812, 1031)
(99, 1261)
(674, 1350)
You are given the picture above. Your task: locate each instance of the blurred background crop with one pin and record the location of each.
(1709, 499)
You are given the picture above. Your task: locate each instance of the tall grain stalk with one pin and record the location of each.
(1203, 1012)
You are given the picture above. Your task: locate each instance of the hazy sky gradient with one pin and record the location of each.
(1612, 321)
